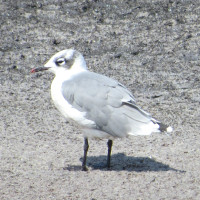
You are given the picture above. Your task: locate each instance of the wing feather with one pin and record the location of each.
(106, 102)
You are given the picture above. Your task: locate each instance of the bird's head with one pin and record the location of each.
(66, 60)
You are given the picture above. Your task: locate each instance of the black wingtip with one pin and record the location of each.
(163, 128)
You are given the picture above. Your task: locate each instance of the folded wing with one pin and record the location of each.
(109, 104)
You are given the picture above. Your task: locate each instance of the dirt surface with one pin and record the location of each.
(152, 47)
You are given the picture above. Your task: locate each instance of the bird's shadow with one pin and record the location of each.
(121, 162)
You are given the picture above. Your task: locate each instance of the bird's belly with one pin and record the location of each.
(97, 134)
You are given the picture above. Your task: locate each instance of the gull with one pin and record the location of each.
(101, 106)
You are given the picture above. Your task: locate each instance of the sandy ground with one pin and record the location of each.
(152, 47)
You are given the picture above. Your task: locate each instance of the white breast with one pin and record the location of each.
(64, 107)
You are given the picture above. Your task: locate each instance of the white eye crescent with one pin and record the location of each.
(60, 61)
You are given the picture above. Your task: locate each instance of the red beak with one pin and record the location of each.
(38, 69)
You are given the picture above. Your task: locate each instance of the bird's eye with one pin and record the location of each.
(60, 61)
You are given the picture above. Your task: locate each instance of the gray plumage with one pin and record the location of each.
(106, 102)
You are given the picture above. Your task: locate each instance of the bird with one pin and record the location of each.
(101, 106)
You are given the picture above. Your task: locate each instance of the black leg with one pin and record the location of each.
(86, 147)
(110, 142)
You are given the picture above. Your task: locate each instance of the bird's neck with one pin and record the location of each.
(63, 74)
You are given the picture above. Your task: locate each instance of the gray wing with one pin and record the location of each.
(106, 102)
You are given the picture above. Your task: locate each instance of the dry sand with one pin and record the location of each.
(152, 47)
